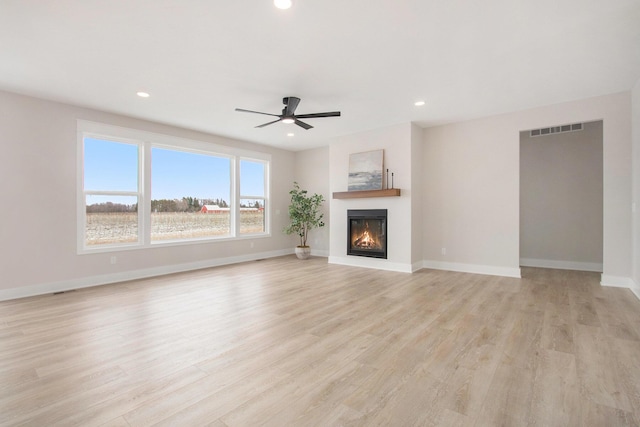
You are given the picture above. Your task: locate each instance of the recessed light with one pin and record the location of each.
(282, 4)
(290, 134)
(142, 94)
(418, 103)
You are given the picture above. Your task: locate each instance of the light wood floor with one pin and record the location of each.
(283, 342)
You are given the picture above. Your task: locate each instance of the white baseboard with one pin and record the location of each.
(418, 265)
(636, 289)
(621, 282)
(375, 263)
(87, 282)
(320, 253)
(490, 270)
(616, 281)
(562, 265)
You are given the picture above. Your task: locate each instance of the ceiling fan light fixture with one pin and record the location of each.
(288, 120)
(282, 4)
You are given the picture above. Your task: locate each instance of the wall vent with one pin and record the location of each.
(556, 129)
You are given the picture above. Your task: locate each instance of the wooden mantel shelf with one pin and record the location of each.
(391, 192)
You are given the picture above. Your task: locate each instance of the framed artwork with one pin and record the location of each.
(365, 170)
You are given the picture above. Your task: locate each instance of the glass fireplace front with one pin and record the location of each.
(367, 233)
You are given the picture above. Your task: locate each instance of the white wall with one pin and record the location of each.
(561, 199)
(396, 142)
(312, 173)
(470, 180)
(471, 187)
(416, 197)
(38, 181)
(636, 187)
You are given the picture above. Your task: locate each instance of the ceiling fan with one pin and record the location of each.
(288, 114)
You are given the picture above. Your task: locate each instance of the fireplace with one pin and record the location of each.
(367, 233)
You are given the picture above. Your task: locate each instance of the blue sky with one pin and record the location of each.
(174, 174)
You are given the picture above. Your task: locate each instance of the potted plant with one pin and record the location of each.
(305, 215)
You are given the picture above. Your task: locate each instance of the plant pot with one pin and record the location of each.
(303, 252)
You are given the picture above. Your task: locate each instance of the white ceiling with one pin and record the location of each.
(369, 59)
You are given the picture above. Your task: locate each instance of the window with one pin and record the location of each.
(111, 192)
(137, 189)
(252, 196)
(190, 195)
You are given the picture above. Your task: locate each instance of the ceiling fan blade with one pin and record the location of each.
(267, 124)
(257, 112)
(316, 115)
(303, 124)
(291, 103)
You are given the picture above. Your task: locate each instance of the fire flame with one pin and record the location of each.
(365, 241)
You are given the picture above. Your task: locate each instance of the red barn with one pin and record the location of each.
(213, 209)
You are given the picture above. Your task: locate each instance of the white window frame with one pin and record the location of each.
(145, 142)
(264, 198)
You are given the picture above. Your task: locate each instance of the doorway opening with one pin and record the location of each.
(561, 197)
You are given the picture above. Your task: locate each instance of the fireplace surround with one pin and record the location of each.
(367, 233)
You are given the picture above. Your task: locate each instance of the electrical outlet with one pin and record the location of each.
(114, 259)
(251, 244)
(443, 251)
